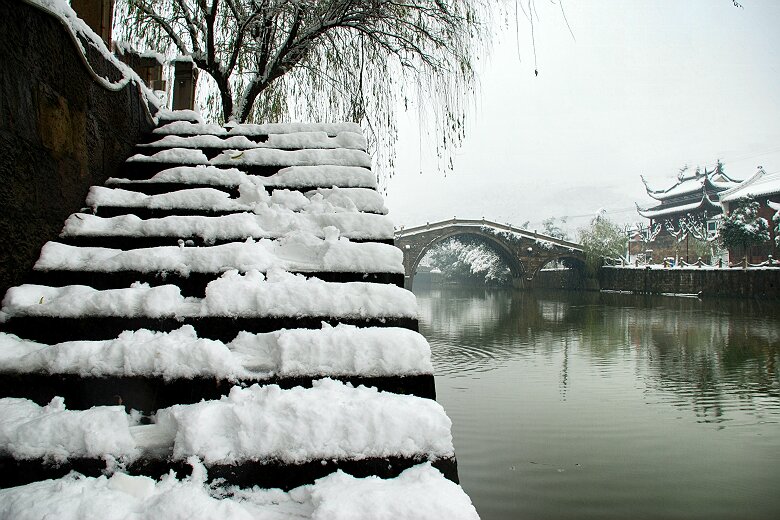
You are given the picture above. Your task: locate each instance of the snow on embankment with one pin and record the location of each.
(250, 295)
(419, 493)
(343, 350)
(300, 252)
(331, 420)
(252, 196)
(263, 223)
(301, 177)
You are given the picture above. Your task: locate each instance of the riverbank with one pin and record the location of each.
(762, 282)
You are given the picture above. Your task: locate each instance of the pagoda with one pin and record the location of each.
(688, 207)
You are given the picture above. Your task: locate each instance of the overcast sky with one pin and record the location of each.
(644, 87)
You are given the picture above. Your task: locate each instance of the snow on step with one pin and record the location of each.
(419, 493)
(265, 222)
(258, 157)
(331, 420)
(323, 200)
(250, 295)
(343, 350)
(290, 177)
(187, 128)
(296, 140)
(295, 251)
(29, 431)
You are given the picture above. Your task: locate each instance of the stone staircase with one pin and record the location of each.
(233, 300)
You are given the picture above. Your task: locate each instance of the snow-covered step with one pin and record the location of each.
(209, 201)
(288, 141)
(256, 161)
(418, 493)
(192, 268)
(233, 302)
(146, 370)
(294, 177)
(244, 437)
(264, 222)
(187, 128)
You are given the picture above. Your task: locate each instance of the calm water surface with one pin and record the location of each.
(572, 405)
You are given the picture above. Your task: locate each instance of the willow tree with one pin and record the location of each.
(276, 60)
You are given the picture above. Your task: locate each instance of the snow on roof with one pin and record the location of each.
(343, 350)
(277, 294)
(661, 210)
(266, 222)
(692, 182)
(420, 492)
(759, 185)
(297, 251)
(331, 420)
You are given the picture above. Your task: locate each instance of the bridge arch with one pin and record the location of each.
(516, 267)
(525, 252)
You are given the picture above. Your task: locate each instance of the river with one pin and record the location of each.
(587, 405)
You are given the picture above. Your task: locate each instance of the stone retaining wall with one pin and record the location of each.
(733, 282)
(60, 132)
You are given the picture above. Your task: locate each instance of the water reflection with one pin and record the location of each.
(587, 405)
(697, 352)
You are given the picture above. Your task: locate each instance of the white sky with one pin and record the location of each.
(646, 87)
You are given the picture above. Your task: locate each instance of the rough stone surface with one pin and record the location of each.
(734, 282)
(59, 132)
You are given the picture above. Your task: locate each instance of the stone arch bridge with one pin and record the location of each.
(525, 252)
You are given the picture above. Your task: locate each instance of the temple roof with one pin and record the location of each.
(667, 209)
(697, 182)
(759, 185)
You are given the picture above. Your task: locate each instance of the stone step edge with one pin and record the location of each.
(265, 474)
(148, 393)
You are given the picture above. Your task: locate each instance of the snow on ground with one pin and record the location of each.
(273, 157)
(29, 431)
(173, 156)
(325, 200)
(165, 115)
(297, 140)
(258, 157)
(265, 222)
(343, 350)
(280, 294)
(291, 177)
(295, 251)
(331, 420)
(186, 128)
(419, 493)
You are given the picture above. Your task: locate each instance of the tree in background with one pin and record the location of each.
(551, 229)
(601, 240)
(275, 60)
(464, 258)
(743, 227)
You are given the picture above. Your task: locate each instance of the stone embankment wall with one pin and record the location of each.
(734, 282)
(60, 131)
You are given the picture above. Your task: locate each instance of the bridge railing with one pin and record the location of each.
(404, 232)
